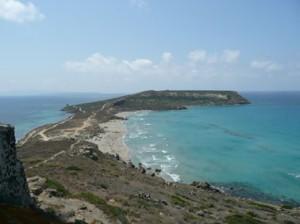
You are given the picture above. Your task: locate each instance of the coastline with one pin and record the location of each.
(69, 154)
(235, 189)
(111, 141)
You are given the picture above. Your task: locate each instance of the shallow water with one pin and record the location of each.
(253, 148)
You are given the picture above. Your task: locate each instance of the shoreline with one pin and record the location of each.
(268, 198)
(112, 140)
(80, 155)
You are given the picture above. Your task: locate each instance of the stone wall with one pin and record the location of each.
(13, 186)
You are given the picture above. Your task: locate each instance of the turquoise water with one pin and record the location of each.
(28, 112)
(251, 150)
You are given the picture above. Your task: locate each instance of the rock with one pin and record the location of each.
(144, 195)
(181, 108)
(192, 193)
(36, 184)
(153, 175)
(13, 185)
(130, 165)
(77, 221)
(53, 193)
(200, 213)
(112, 201)
(157, 170)
(206, 186)
(83, 207)
(143, 171)
(202, 185)
(141, 168)
(89, 152)
(163, 202)
(71, 210)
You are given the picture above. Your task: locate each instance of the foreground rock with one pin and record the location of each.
(13, 185)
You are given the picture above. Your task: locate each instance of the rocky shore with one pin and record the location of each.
(78, 170)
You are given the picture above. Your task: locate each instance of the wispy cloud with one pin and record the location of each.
(197, 56)
(19, 12)
(231, 56)
(200, 69)
(201, 56)
(98, 63)
(167, 57)
(198, 65)
(139, 3)
(266, 65)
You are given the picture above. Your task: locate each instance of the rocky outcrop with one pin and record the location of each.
(69, 210)
(13, 185)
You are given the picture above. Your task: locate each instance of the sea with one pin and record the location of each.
(252, 151)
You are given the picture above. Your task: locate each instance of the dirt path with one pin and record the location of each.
(47, 160)
(41, 132)
(85, 124)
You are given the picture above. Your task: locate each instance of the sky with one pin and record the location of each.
(118, 46)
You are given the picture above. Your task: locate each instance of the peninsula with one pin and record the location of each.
(80, 170)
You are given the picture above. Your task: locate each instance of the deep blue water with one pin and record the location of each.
(29, 112)
(251, 150)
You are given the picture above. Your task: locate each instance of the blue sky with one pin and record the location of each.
(133, 45)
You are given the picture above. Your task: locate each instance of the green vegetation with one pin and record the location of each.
(188, 217)
(104, 186)
(58, 187)
(111, 211)
(265, 207)
(206, 206)
(33, 161)
(73, 168)
(177, 200)
(252, 214)
(242, 219)
(287, 206)
(288, 222)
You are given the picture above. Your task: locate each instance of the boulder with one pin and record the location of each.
(36, 184)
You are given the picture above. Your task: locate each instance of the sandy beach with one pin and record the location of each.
(112, 140)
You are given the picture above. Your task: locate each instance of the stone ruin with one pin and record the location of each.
(13, 185)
